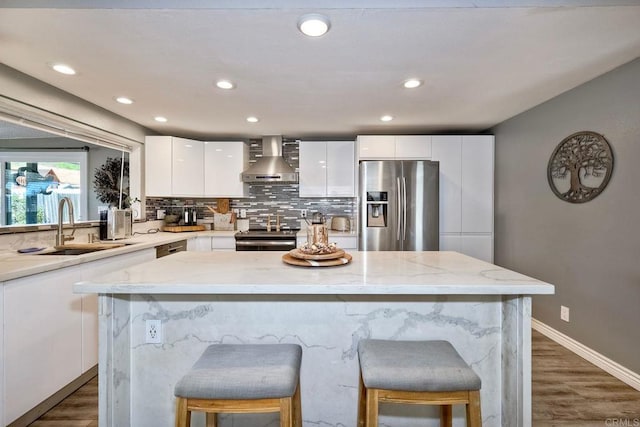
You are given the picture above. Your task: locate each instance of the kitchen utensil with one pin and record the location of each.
(317, 218)
(341, 223)
(223, 206)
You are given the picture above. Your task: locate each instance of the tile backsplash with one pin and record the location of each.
(265, 199)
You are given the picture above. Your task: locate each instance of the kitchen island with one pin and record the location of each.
(253, 297)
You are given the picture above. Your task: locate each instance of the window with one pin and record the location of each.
(34, 182)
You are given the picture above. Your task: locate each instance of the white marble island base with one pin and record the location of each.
(491, 330)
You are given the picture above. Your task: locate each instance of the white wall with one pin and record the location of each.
(590, 251)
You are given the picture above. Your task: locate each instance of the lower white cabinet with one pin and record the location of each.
(212, 243)
(346, 242)
(475, 245)
(223, 243)
(43, 338)
(50, 333)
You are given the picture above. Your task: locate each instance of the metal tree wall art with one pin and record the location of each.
(580, 167)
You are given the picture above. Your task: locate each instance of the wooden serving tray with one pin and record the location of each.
(297, 253)
(288, 259)
(182, 228)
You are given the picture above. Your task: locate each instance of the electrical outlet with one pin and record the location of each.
(243, 213)
(153, 331)
(303, 213)
(564, 313)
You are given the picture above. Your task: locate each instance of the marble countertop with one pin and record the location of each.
(370, 273)
(14, 265)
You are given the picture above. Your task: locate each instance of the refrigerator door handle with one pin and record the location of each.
(398, 208)
(404, 208)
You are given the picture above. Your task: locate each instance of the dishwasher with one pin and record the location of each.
(171, 248)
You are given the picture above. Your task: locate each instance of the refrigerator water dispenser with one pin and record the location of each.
(377, 203)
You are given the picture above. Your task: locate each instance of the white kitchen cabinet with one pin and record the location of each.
(42, 332)
(223, 243)
(477, 159)
(343, 241)
(376, 147)
(50, 333)
(447, 150)
(466, 193)
(475, 245)
(174, 166)
(478, 246)
(413, 147)
(188, 168)
(157, 169)
(313, 169)
(224, 162)
(327, 168)
(199, 244)
(399, 147)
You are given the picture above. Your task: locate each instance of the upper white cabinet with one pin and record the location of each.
(394, 147)
(413, 146)
(188, 168)
(327, 168)
(376, 147)
(224, 162)
(173, 166)
(183, 167)
(157, 165)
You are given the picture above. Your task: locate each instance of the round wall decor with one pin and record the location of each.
(580, 167)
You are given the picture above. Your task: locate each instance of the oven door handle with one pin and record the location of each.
(264, 242)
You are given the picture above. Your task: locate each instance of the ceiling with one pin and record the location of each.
(481, 62)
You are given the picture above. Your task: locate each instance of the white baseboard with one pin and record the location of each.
(620, 372)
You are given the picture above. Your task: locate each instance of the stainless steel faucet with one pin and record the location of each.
(60, 237)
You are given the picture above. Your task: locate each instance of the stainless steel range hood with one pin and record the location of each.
(271, 167)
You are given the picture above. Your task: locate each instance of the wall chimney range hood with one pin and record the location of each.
(271, 167)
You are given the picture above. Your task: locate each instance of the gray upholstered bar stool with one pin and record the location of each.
(242, 378)
(415, 372)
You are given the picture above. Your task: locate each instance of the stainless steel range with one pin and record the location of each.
(262, 240)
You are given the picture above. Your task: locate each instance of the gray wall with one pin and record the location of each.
(590, 251)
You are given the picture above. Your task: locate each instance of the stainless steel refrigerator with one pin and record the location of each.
(399, 205)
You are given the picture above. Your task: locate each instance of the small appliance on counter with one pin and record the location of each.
(340, 223)
(116, 224)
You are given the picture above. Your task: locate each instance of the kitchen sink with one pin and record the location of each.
(80, 248)
(72, 251)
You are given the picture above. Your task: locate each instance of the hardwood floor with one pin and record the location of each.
(78, 410)
(567, 391)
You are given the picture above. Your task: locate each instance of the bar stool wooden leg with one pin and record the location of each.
(286, 418)
(212, 419)
(474, 415)
(446, 416)
(183, 415)
(372, 408)
(297, 407)
(362, 402)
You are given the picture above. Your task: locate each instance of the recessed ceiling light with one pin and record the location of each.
(225, 84)
(160, 119)
(253, 119)
(313, 24)
(64, 69)
(386, 118)
(412, 83)
(124, 100)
